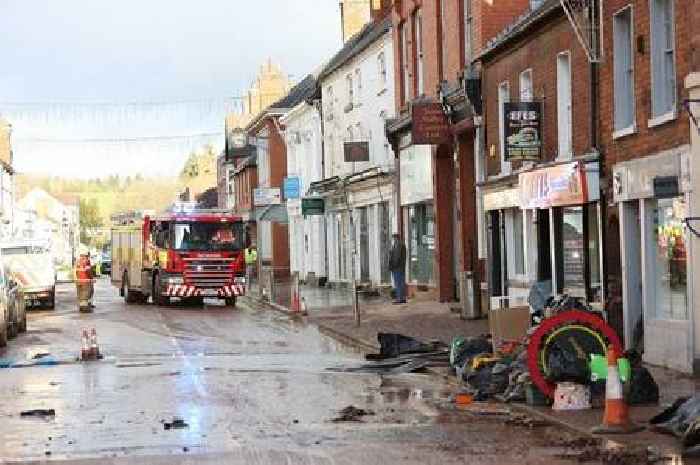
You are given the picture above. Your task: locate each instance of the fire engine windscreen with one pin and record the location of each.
(210, 237)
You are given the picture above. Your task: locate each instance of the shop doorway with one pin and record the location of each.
(497, 254)
(385, 240)
(364, 245)
(544, 260)
(632, 287)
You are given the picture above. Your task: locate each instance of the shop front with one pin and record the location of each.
(508, 270)
(418, 211)
(653, 195)
(563, 213)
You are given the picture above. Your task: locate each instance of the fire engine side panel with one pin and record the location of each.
(126, 255)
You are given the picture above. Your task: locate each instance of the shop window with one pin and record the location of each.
(518, 244)
(670, 262)
(663, 66)
(577, 249)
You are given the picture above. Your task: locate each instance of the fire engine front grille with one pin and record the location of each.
(208, 272)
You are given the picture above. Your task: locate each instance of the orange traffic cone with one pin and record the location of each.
(84, 346)
(616, 419)
(94, 348)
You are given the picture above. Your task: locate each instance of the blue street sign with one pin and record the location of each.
(292, 187)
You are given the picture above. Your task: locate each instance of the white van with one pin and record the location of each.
(32, 267)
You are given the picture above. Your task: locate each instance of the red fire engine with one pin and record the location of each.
(187, 254)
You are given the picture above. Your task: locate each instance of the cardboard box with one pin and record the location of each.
(509, 323)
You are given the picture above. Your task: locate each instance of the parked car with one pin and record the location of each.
(13, 315)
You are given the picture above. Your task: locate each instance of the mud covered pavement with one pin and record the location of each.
(214, 385)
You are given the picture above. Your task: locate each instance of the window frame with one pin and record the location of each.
(630, 74)
(419, 52)
(405, 72)
(350, 89)
(382, 71)
(658, 118)
(523, 73)
(468, 36)
(505, 165)
(569, 109)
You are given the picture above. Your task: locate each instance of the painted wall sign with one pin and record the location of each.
(267, 196)
(429, 124)
(356, 151)
(292, 187)
(523, 130)
(554, 186)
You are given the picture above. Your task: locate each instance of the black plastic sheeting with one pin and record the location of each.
(682, 419)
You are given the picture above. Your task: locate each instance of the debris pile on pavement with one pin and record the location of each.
(350, 414)
(682, 419)
(177, 423)
(399, 355)
(592, 450)
(38, 413)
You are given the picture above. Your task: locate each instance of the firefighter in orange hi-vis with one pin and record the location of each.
(83, 275)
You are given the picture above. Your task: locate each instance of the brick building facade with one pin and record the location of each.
(645, 140)
(435, 41)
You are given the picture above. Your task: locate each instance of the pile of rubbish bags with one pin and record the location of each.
(490, 373)
(502, 372)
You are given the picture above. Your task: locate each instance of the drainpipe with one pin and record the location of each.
(319, 108)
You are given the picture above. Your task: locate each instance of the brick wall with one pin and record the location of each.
(647, 140)
(488, 19)
(538, 51)
(694, 14)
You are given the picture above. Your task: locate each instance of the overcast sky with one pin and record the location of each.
(143, 50)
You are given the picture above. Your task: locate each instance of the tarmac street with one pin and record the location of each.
(213, 384)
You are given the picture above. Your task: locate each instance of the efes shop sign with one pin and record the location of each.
(523, 130)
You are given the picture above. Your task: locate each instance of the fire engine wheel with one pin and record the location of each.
(231, 302)
(158, 297)
(3, 334)
(573, 320)
(129, 296)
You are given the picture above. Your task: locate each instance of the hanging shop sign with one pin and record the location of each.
(554, 186)
(313, 207)
(356, 151)
(292, 187)
(523, 130)
(267, 196)
(239, 144)
(429, 124)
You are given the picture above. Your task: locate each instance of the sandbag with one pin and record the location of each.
(392, 345)
(463, 348)
(642, 388)
(565, 366)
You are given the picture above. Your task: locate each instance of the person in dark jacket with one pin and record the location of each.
(397, 266)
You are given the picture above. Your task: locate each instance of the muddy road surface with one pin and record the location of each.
(212, 385)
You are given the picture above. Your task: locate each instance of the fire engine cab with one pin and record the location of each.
(186, 253)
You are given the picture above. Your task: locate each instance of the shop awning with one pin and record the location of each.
(273, 214)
